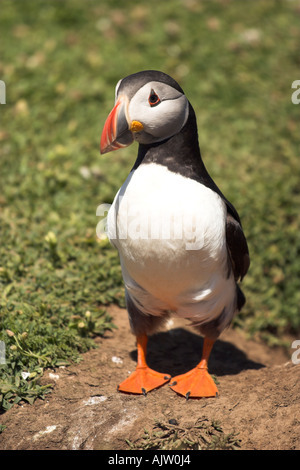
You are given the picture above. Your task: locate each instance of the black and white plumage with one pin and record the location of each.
(181, 244)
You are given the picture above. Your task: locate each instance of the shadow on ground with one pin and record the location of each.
(178, 350)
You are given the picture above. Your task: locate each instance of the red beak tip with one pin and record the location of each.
(109, 136)
(103, 151)
(110, 148)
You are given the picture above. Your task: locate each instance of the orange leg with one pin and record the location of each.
(197, 382)
(143, 379)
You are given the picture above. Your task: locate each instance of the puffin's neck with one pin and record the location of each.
(180, 153)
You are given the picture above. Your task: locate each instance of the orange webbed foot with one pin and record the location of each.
(197, 383)
(143, 380)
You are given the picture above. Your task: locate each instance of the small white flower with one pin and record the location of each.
(25, 375)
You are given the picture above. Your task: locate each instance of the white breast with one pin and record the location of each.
(170, 233)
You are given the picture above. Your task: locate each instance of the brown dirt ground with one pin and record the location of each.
(259, 394)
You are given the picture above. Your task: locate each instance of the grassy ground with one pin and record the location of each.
(60, 61)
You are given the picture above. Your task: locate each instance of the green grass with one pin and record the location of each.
(60, 61)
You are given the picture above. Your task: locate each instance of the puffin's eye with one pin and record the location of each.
(153, 99)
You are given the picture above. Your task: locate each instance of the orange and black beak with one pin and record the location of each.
(118, 130)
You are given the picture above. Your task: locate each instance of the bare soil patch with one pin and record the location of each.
(259, 394)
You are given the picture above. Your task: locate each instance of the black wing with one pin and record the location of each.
(237, 246)
(238, 253)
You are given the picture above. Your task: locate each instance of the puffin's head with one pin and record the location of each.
(149, 107)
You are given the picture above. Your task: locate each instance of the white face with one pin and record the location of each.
(161, 109)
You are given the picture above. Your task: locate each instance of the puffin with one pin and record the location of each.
(181, 245)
